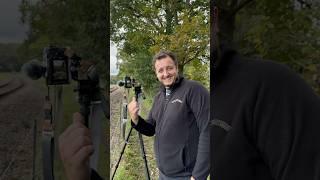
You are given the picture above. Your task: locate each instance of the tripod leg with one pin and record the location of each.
(95, 124)
(143, 153)
(121, 154)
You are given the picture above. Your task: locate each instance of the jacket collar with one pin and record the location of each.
(221, 65)
(174, 85)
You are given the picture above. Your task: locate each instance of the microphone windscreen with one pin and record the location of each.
(120, 83)
(33, 69)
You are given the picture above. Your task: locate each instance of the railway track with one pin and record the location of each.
(10, 85)
(113, 88)
(21, 107)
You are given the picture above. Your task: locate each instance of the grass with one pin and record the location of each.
(5, 75)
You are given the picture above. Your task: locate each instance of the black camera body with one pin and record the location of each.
(129, 83)
(59, 67)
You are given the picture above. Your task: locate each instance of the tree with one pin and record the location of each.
(286, 31)
(78, 24)
(142, 28)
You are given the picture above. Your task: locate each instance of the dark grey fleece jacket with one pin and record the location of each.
(265, 122)
(180, 125)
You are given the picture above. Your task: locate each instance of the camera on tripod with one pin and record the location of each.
(62, 63)
(129, 82)
(59, 65)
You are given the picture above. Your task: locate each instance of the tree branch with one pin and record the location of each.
(233, 4)
(138, 15)
(240, 6)
(191, 59)
(160, 21)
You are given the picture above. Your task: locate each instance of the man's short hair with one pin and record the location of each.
(163, 54)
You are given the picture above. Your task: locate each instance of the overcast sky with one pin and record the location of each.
(11, 29)
(113, 59)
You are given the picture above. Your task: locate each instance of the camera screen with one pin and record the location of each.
(59, 70)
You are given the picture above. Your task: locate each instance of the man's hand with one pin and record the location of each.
(133, 108)
(68, 52)
(192, 178)
(75, 148)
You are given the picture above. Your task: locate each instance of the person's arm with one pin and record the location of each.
(286, 126)
(144, 127)
(199, 102)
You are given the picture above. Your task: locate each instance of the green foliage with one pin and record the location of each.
(142, 28)
(284, 31)
(79, 24)
(9, 61)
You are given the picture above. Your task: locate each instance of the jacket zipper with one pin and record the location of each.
(164, 110)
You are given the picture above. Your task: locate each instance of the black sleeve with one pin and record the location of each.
(95, 175)
(286, 126)
(199, 102)
(144, 127)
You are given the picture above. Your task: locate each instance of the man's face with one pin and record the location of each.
(166, 71)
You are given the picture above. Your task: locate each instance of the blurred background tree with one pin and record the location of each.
(286, 31)
(140, 29)
(79, 24)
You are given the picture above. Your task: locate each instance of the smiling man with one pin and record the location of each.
(179, 120)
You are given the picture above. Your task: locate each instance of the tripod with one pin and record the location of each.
(138, 95)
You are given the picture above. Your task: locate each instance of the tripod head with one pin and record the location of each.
(59, 66)
(129, 83)
(88, 88)
(138, 91)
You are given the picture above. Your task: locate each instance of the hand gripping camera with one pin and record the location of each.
(128, 83)
(59, 66)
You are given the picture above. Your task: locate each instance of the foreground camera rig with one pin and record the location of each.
(128, 83)
(58, 67)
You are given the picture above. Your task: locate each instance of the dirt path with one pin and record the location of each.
(115, 141)
(19, 108)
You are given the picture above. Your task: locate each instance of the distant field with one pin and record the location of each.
(5, 75)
